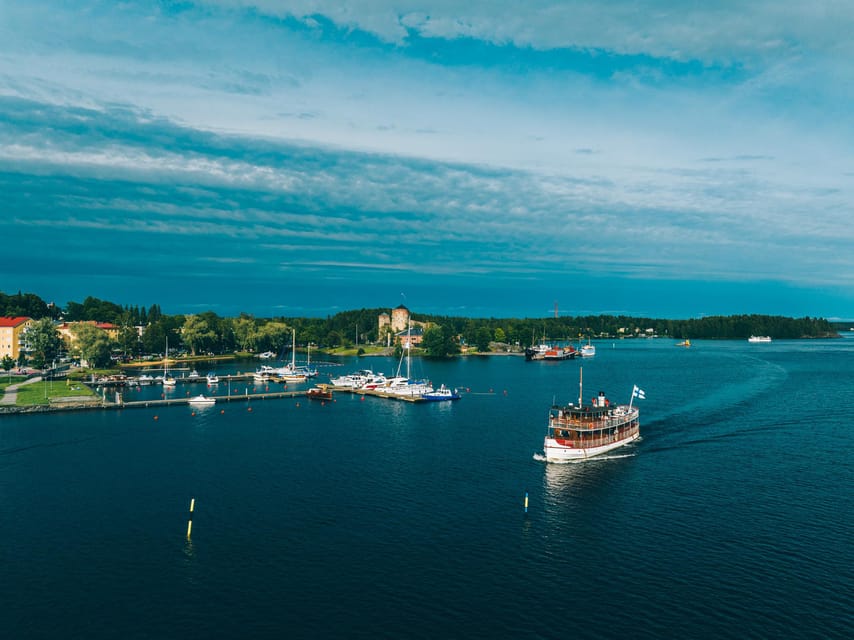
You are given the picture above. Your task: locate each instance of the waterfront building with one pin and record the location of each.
(66, 332)
(12, 332)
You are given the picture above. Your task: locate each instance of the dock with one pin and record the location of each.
(242, 397)
(375, 393)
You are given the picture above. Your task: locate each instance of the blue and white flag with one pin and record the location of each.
(638, 393)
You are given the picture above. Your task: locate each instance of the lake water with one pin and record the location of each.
(364, 518)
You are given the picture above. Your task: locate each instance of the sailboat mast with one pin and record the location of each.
(408, 347)
(294, 351)
(580, 380)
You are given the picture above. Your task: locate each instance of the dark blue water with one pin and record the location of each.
(730, 518)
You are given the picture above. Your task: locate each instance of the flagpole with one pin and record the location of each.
(632, 399)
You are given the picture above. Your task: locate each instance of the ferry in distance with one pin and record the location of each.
(759, 339)
(581, 431)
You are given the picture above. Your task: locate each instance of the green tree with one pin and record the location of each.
(500, 336)
(440, 341)
(128, 338)
(196, 333)
(433, 341)
(92, 344)
(275, 335)
(245, 333)
(7, 363)
(483, 338)
(43, 342)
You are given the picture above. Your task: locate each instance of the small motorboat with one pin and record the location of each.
(320, 392)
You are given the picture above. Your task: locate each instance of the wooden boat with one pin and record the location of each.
(580, 431)
(320, 392)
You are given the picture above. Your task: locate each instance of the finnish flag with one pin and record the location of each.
(638, 393)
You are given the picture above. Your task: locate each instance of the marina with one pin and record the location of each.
(359, 496)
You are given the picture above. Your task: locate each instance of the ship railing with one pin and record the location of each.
(564, 423)
(588, 443)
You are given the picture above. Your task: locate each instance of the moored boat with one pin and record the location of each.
(580, 431)
(353, 380)
(536, 351)
(201, 400)
(440, 394)
(587, 350)
(212, 378)
(320, 392)
(560, 353)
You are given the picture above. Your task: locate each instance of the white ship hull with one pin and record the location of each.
(555, 452)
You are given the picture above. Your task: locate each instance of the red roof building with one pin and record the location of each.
(12, 335)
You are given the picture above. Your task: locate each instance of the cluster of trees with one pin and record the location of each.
(26, 304)
(145, 331)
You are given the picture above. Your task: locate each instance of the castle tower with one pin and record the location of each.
(399, 318)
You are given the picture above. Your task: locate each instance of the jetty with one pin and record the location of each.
(241, 397)
(376, 393)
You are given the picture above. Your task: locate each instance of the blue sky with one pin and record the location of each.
(662, 159)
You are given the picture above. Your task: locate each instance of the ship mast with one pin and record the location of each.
(580, 379)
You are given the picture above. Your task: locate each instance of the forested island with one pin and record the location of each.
(140, 330)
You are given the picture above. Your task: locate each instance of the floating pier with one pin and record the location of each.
(234, 397)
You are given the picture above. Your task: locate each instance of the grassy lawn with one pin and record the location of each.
(368, 350)
(5, 380)
(42, 392)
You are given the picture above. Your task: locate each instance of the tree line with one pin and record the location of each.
(143, 330)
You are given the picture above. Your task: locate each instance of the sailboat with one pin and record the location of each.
(290, 373)
(404, 385)
(168, 381)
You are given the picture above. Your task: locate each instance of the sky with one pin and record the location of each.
(485, 159)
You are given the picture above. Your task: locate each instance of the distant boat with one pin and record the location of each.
(212, 378)
(560, 353)
(684, 343)
(546, 351)
(266, 355)
(759, 339)
(587, 350)
(168, 381)
(404, 386)
(145, 379)
(201, 400)
(536, 351)
(262, 376)
(354, 380)
(320, 392)
(289, 372)
(440, 394)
